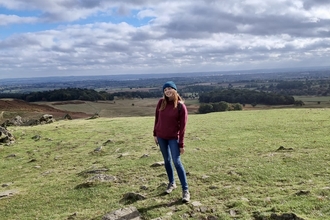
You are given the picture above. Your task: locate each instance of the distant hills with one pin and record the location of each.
(124, 77)
(151, 82)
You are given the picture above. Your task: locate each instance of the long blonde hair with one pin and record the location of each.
(176, 99)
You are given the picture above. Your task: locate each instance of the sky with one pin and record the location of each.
(41, 38)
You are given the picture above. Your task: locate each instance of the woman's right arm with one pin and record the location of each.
(156, 119)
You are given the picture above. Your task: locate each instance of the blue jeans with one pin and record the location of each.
(170, 150)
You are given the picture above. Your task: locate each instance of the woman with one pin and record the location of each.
(170, 124)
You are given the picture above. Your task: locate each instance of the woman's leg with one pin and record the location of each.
(175, 151)
(164, 148)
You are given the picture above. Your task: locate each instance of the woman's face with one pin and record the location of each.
(169, 92)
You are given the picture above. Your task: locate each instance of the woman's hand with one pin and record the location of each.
(156, 140)
(181, 150)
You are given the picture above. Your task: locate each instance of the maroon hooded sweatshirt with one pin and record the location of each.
(170, 123)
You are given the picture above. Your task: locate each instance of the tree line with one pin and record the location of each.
(245, 96)
(67, 95)
(79, 94)
(301, 87)
(242, 96)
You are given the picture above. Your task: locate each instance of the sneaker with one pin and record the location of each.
(170, 188)
(185, 196)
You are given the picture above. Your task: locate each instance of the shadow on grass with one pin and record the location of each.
(161, 205)
(131, 198)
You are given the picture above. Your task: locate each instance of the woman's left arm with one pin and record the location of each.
(183, 121)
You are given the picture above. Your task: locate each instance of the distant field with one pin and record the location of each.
(117, 108)
(325, 99)
(146, 107)
(123, 107)
(315, 101)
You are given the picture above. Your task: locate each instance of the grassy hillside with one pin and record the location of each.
(236, 168)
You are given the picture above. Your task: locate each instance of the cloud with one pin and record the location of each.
(72, 10)
(147, 36)
(13, 19)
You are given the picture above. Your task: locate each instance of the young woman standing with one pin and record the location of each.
(170, 124)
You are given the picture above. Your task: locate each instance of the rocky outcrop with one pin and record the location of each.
(67, 117)
(17, 121)
(45, 119)
(5, 136)
(130, 213)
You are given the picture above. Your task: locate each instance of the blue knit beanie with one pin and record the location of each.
(170, 84)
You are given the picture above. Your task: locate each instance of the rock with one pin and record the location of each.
(67, 117)
(281, 148)
(163, 184)
(211, 217)
(85, 185)
(232, 212)
(96, 115)
(203, 209)
(46, 119)
(285, 216)
(73, 216)
(196, 203)
(158, 164)
(36, 137)
(108, 142)
(98, 149)
(102, 178)
(245, 199)
(144, 187)
(303, 192)
(8, 193)
(17, 121)
(87, 172)
(46, 172)
(123, 155)
(233, 173)
(130, 213)
(134, 196)
(6, 184)
(6, 136)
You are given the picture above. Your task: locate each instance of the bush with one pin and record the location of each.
(237, 107)
(219, 107)
(299, 103)
(205, 108)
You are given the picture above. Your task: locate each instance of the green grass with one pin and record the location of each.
(234, 168)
